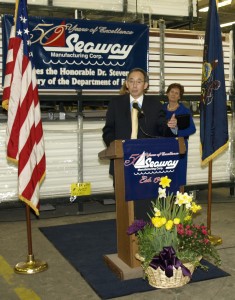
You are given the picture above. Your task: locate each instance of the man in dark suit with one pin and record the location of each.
(152, 120)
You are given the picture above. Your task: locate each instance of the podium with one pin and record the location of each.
(123, 263)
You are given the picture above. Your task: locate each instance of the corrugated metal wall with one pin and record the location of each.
(63, 165)
(183, 56)
(61, 144)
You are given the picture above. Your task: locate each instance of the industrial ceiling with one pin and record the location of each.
(226, 14)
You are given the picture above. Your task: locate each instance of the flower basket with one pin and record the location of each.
(158, 279)
(170, 245)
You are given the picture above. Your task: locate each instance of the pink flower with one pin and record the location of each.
(180, 226)
(189, 232)
(204, 231)
(181, 232)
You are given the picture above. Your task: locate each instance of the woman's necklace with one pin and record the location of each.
(172, 108)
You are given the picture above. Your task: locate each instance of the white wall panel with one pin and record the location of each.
(163, 7)
(160, 7)
(96, 171)
(107, 5)
(61, 144)
(221, 164)
(63, 165)
(183, 55)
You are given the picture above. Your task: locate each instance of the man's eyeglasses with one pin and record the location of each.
(138, 82)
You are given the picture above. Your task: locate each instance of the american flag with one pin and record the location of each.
(24, 134)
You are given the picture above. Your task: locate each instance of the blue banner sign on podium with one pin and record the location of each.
(146, 161)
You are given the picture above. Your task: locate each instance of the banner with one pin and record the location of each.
(213, 107)
(83, 54)
(146, 161)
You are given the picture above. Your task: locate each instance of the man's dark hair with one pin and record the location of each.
(146, 78)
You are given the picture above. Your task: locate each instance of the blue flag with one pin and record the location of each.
(213, 110)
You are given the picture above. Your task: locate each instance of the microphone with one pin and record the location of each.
(140, 115)
(136, 106)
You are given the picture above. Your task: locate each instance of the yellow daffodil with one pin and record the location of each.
(169, 224)
(176, 221)
(183, 199)
(165, 182)
(195, 208)
(157, 222)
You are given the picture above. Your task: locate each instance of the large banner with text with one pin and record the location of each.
(83, 54)
(146, 161)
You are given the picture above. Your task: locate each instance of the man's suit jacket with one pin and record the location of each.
(118, 120)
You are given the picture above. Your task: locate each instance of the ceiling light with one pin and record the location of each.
(220, 4)
(227, 24)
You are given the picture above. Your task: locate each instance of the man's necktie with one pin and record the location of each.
(134, 122)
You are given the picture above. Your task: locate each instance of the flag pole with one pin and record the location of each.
(215, 240)
(31, 266)
(209, 199)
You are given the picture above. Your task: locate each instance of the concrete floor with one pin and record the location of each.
(62, 282)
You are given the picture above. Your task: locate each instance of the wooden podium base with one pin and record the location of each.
(121, 269)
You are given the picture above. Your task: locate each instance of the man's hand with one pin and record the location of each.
(172, 123)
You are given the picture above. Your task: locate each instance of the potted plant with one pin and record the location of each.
(171, 245)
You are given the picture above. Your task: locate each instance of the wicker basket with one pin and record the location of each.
(158, 279)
